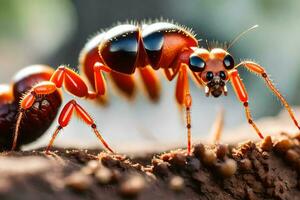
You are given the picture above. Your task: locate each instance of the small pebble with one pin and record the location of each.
(209, 158)
(267, 144)
(108, 161)
(103, 175)
(155, 161)
(176, 183)
(93, 164)
(222, 150)
(178, 160)
(199, 150)
(228, 168)
(161, 169)
(283, 145)
(165, 157)
(91, 167)
(246, 147)
(132, 186)
(245, 164)
(78, 181)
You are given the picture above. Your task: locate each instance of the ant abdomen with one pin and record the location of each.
(38, 118)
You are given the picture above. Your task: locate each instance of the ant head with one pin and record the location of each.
(212, 68)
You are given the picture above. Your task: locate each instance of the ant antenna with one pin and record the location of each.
(240, 35)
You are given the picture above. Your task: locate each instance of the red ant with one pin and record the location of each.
(162, 45)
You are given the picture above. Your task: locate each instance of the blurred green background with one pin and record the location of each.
(54, 31)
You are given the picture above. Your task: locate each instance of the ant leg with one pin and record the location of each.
(45, 87)
(256, 68)
(74, 84)
(241, 93)
(188, 104)
(16, 133)
(173, 69)
(151, 82)
(182, 85)
(184, 98)
(217, 127)
(171, 73)
(65, 118)
(100, 83)
(124, 84)
(182, 95)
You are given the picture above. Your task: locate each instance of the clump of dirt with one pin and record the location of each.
(266, 170)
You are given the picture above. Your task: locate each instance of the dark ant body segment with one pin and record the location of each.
(45, 107)
(126, 49)
(120, 50)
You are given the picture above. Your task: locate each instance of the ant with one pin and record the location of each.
(125, 48)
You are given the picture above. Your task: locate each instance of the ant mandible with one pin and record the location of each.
(123, 49)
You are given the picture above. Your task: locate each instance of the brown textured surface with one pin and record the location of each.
(266, 170)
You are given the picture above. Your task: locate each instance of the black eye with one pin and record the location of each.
(196, 64)
(228, 62)
(222, 75)
(209, 76)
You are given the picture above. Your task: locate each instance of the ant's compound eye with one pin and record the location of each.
(196, 64)
(222, 75)
(209, 76)
(228, 62)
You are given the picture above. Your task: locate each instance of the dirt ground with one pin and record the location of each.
(266, 170)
